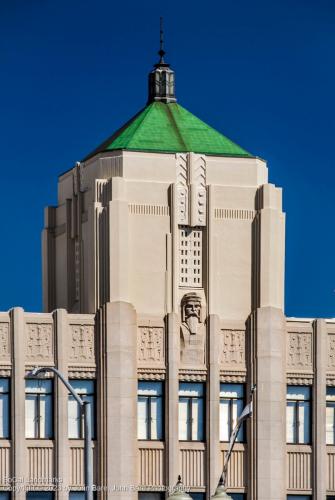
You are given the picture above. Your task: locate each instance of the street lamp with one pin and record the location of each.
(86, 412)
(246, 413)
(221, 491)
(179, 492)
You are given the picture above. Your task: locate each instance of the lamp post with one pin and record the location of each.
(246, 413)
(86, 412)
(179, 492)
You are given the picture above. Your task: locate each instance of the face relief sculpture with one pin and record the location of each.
(192, 312)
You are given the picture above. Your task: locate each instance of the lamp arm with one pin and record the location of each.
(36, 371)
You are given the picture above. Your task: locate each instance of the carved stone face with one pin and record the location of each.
(191, 306)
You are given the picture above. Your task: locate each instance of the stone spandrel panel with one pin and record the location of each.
(39, 342)
(4, 342)
(151, 346)
(82, 344)
(331, 351)
(232, 353)
(300, 351)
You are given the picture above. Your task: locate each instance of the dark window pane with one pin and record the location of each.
(40, 495)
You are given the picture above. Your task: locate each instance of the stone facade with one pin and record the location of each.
(168, 267)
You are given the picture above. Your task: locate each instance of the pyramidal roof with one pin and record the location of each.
(165, 126)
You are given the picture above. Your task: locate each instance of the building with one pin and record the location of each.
(163, 267)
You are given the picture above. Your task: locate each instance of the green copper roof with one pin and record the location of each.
(168, 127)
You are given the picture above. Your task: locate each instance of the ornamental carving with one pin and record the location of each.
(198, 190)
(233, 348)
(82, 343)
(299, 350)
(182, 189)
(192, 330)
(331, 352)
(39, 341)
(4, 340)
(151, 345)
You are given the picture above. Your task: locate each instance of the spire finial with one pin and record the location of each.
(161, 52)
(161, 78)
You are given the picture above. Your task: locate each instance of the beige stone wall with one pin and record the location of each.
(75, 343)
(112, 249)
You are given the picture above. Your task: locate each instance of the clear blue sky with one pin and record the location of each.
(261, 72)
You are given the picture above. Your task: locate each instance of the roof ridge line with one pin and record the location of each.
(172, 119)
(145, 112)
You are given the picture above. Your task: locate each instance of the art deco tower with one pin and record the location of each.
(171, 234)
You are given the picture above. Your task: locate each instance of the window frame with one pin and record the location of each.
(50, 495)
(330, 403)
(190, 399)
(148, 405)
(231, 399)
(8, 404)
(93, 409)
(37, 404)
(142, 492)
(191, 256)
(296, 420)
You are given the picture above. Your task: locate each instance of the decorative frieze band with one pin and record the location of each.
(151, 345)
(82, 348)
(39, 342)
(234, 213)
(233, 377)
(4, 341)
(162, 210)
(232, 352)
(300, 379)
(82, 372)
(188, 375)
(151, 373)
(299, 350)
(331, 351)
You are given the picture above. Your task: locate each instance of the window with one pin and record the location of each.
(150, 496)
(231, 407)
(86, 390)
(237, 496)
(4, 408)
(39, 421)
(191, 411)
(330, 416)
(197, 496)
(80, 495)
(299, 497)
(298, 425)
(40, 495)
(4, 495)
(150, 410)
(190, 257)
(77, 495)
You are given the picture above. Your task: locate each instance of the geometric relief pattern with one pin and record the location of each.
(39, 341)
(331, 352)
(150, 345)
(4, 340)
(299, 350)
(233, 349)
(198, 182)
(82, 343)
(182, 189)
